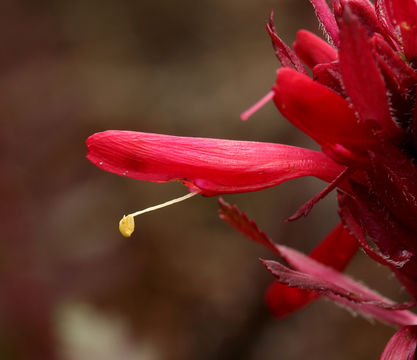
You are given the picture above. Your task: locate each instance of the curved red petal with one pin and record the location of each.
(319, 112)
(313, 50)
(282, 300)
(211, 166)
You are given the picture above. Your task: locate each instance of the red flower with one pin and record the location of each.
(360, 108)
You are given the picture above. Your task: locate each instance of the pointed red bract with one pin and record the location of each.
(305, 209)
(283, 52)
(361, 77)
(326, 19)
(210, 166)
(405, 14)
(339, 288)
(309, 274)
(368, 213)
(385, 14)
(336, 251)
(400, 80)
(355, 229)
(394, 178)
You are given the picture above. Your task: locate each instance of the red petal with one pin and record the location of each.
(283, 300)
(405, 13)
(313, 50)
(318, 111)
(361, 77)
(402, 346)
(337, 249)
(211, 166)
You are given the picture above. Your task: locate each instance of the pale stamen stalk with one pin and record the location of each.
(254, 108)
(127, 223)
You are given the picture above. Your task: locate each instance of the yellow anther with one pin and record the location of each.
(127, 225)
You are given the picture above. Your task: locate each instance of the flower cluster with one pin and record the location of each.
(359, 106)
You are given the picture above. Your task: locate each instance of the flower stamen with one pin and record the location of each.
(254, 108)
(127, 223)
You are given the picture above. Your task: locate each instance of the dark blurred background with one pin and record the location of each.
(185, 286)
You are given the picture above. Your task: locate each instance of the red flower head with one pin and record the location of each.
(359, 106)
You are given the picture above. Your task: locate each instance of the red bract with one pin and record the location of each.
(359, 106)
